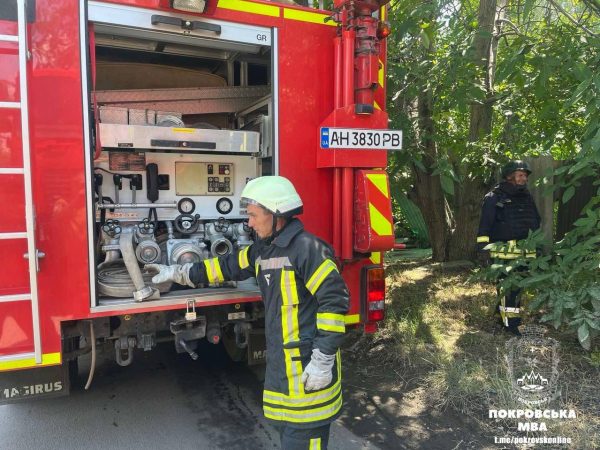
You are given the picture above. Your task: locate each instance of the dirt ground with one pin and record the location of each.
(428, 377)
(395, 414)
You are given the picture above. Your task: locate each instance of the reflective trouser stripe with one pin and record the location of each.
(315, 444)
(331, 322)
(507, 312)
(306, 408)
(319, 276)
(311, 415)
(481, 239)
(502, 313)
(291, 331)
(213, 270)
(243, 258)
(309, 399)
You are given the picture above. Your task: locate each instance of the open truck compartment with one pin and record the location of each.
(146, 123)
(173, 151)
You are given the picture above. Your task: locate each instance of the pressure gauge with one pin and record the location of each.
(186, 206)
(224, 205)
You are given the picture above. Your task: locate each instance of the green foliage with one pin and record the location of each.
(564, 282)
(546, 100)
(594, 359)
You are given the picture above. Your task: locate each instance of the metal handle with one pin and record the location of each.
(185, 24)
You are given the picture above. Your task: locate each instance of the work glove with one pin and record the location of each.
(176, 273)
(317, 373)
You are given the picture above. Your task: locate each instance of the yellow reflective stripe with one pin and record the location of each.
(512, 254)
(379, 223)
(331, 322)
(483, 239)
(291, 331)
(306, 16)
(249, 7)
(256, 268)
(352, 319)
(330, 316)
(315, 444)
(293, 370)
(336, 328)
(220, 276)
(307, 399)
(243, 258)
(503, 256)
(305, 416)
(381, 75)
(47, 360)
(213, 270)
(502, 313)
(289, 291)
(209, 271)
(380, 181)
(376, 105)
(317, 279)
(322, 397)
(375, 257)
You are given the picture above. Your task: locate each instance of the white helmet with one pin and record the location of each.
(275, 194)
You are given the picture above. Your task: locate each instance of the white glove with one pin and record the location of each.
(178, 274)
(317, 373)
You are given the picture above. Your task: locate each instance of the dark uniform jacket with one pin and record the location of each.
(507, 215)
(305, 301)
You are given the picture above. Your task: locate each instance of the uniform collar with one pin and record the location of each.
(292, 229)
(512, 191)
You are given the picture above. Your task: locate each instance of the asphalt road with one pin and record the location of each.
(162, 401)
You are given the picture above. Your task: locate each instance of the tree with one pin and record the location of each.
(472, 89)
(454, 70)
(561, 56)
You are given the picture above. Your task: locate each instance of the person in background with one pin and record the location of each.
(508, 214)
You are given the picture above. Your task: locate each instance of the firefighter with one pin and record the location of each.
(508, 213)
(305, 301)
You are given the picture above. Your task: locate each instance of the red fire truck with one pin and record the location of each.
(128, 129)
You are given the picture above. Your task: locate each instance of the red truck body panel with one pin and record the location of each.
(305, 55)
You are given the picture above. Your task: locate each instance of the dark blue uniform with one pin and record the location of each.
(306, 300)
(507, 215)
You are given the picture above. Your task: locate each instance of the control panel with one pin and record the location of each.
(178, 183)
(193, 178)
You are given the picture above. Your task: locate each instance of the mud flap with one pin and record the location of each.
(257, 347)
(30, 384)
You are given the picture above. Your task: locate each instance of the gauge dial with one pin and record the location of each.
(186, 206)
(224, 205)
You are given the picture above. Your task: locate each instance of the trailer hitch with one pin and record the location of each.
(122, 345)
(242, 334)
